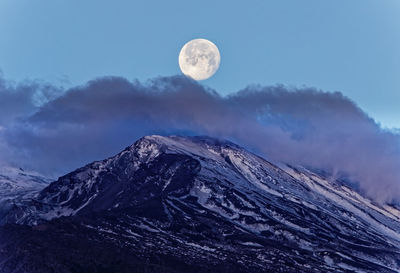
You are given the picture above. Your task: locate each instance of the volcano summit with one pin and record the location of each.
(197, 204)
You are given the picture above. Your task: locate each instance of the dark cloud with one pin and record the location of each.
(23, 99)
(299, 126)
(17, 101)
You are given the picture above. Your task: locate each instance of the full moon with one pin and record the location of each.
(199, 59)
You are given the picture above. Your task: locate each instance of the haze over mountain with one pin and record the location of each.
(52, 130)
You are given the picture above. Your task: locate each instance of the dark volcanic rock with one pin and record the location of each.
(191, 204)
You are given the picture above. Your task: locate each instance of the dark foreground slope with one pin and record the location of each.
(178, 204)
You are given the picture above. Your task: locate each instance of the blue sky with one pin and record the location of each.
(342, 45)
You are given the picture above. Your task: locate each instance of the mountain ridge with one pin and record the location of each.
(16, 185)
(197, 198)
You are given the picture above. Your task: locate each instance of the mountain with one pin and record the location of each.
(16, 185)
(197, 204)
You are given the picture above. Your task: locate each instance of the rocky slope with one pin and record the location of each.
(17, 185)
(196, 204)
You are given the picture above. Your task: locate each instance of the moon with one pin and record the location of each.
(199, 59)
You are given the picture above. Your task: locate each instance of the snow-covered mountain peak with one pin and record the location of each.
(19, 175)
(14, 180)
(17, 184)
(208, 196)
(197, 145)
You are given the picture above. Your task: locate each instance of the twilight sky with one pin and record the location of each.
(348, 46)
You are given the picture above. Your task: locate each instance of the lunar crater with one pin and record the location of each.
(199, 59)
